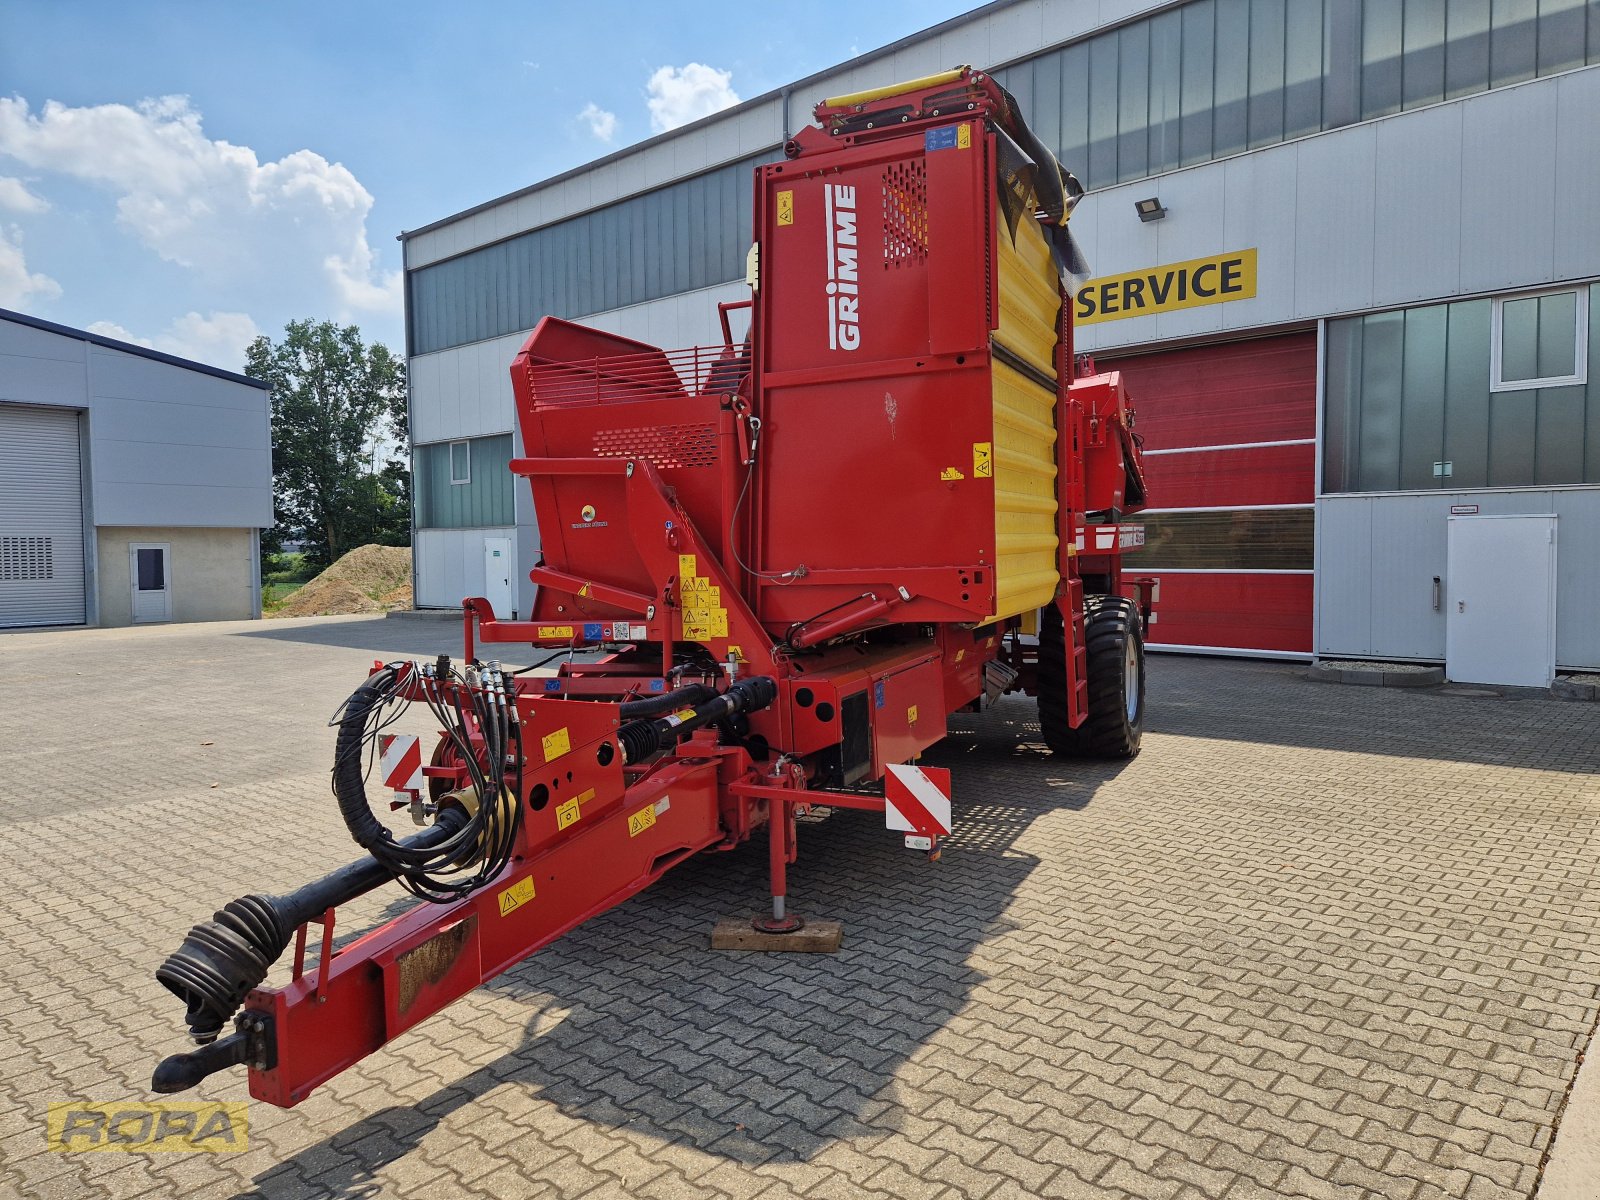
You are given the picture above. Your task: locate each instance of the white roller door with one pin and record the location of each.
(41, 517)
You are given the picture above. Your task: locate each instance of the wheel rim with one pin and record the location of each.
(1130, 680)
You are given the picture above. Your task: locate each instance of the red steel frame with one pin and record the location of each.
(637, 552)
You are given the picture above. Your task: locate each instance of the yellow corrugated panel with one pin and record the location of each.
(1024, 426)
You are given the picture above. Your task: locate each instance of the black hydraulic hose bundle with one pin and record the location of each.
(649, 706)
(640, 739)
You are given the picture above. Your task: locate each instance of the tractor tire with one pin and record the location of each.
(1115, 654)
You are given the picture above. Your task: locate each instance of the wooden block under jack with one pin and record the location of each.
(816, 937)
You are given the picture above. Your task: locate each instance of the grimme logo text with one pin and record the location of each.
(844, 318)
(173, 1125)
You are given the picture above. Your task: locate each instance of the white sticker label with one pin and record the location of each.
(663, 804)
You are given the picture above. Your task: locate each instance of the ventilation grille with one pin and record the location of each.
(26, 559)
(662, 445)
(905, 212)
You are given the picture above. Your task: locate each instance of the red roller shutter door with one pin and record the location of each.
(1229, 435)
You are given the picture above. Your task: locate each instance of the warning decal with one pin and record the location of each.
(982, 460)
(918, 799)
(641, 820)
(400, 757)
(556, 744)
(515, 896)
(786, 208)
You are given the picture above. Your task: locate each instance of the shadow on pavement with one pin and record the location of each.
(756, 1057)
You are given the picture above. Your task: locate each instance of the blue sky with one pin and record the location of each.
(188, 174)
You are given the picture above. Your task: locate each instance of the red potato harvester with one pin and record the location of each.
(791, 557)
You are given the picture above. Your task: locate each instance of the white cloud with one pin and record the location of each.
(679, 95)
(602, 124)
(298, 224)
(219, 339)
(17, 284)
(14, 194)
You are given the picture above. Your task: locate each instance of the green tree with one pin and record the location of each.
(339, 445)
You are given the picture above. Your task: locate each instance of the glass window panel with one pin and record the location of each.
(1133, 101)
(1341, 404)
(1422, 71)
(1075, 111)
(1381, 36)
(460, 462)
(1199, 62)
(1513, 41)
(1512, 425)
(1466, 51)
(1558, 335)
(1230, 120)
(1045, 115)
(1166, 72)
(152, 570)
(1558, 435)
(1561, 35)
(1466, 388)
(1382, 361)
(1591, 448)
(1302, 68)
(1341, 63)
(1266, 71)
(1248, 540)
(1519, 339)
(1102, 112)
(1422, 398)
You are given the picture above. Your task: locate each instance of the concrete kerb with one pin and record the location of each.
(1375, 674)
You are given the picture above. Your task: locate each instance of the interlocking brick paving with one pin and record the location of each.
(1315, 941)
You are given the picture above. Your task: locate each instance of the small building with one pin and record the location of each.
(1343, 253)
(133, 485)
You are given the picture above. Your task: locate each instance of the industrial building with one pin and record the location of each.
(1341, 249)
(133, 485)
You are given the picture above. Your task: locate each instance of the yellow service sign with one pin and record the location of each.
(167, 1125)
(1199, 281)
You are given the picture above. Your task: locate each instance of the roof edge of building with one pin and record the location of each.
(743, 106)
(172, 360)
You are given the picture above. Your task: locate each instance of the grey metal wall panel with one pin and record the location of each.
(1416, 246)
(1577, 231)
(1509, 136)
(450, 564)
(41, 517)
(1577, 578)
(1344, 576)
(1335, 205)
(42, 380)
(25, 340)
(1260, 208)
(1378, 556)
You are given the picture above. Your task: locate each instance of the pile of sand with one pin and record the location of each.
(368, 579)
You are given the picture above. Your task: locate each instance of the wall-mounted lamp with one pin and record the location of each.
(1149, 210)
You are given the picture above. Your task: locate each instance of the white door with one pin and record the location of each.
(497, 589)
(1500, 611)
(150, 571)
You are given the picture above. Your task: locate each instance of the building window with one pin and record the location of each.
(1216, 77)
(1540, 341)
(690, 234)
(1414, 399)
(449, 496)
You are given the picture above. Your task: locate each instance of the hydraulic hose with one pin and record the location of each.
(649, 706)
(641, 739)
(222, 960)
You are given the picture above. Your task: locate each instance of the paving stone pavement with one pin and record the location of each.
(1315, 941)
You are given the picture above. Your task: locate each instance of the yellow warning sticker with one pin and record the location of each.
(964, 136)
(688, 568)
(711, 597)
(641, 820)
(683, 714)
(556, 744)
(583, 592)
(567, 813)
(515, 896)
(911, 715)
(950, 475)
(719, 623)
(982, 460)
(553, 631)
(697, 633)
(786, 208)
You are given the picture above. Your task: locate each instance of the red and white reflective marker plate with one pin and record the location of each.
(400, 760)
(918, 800)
